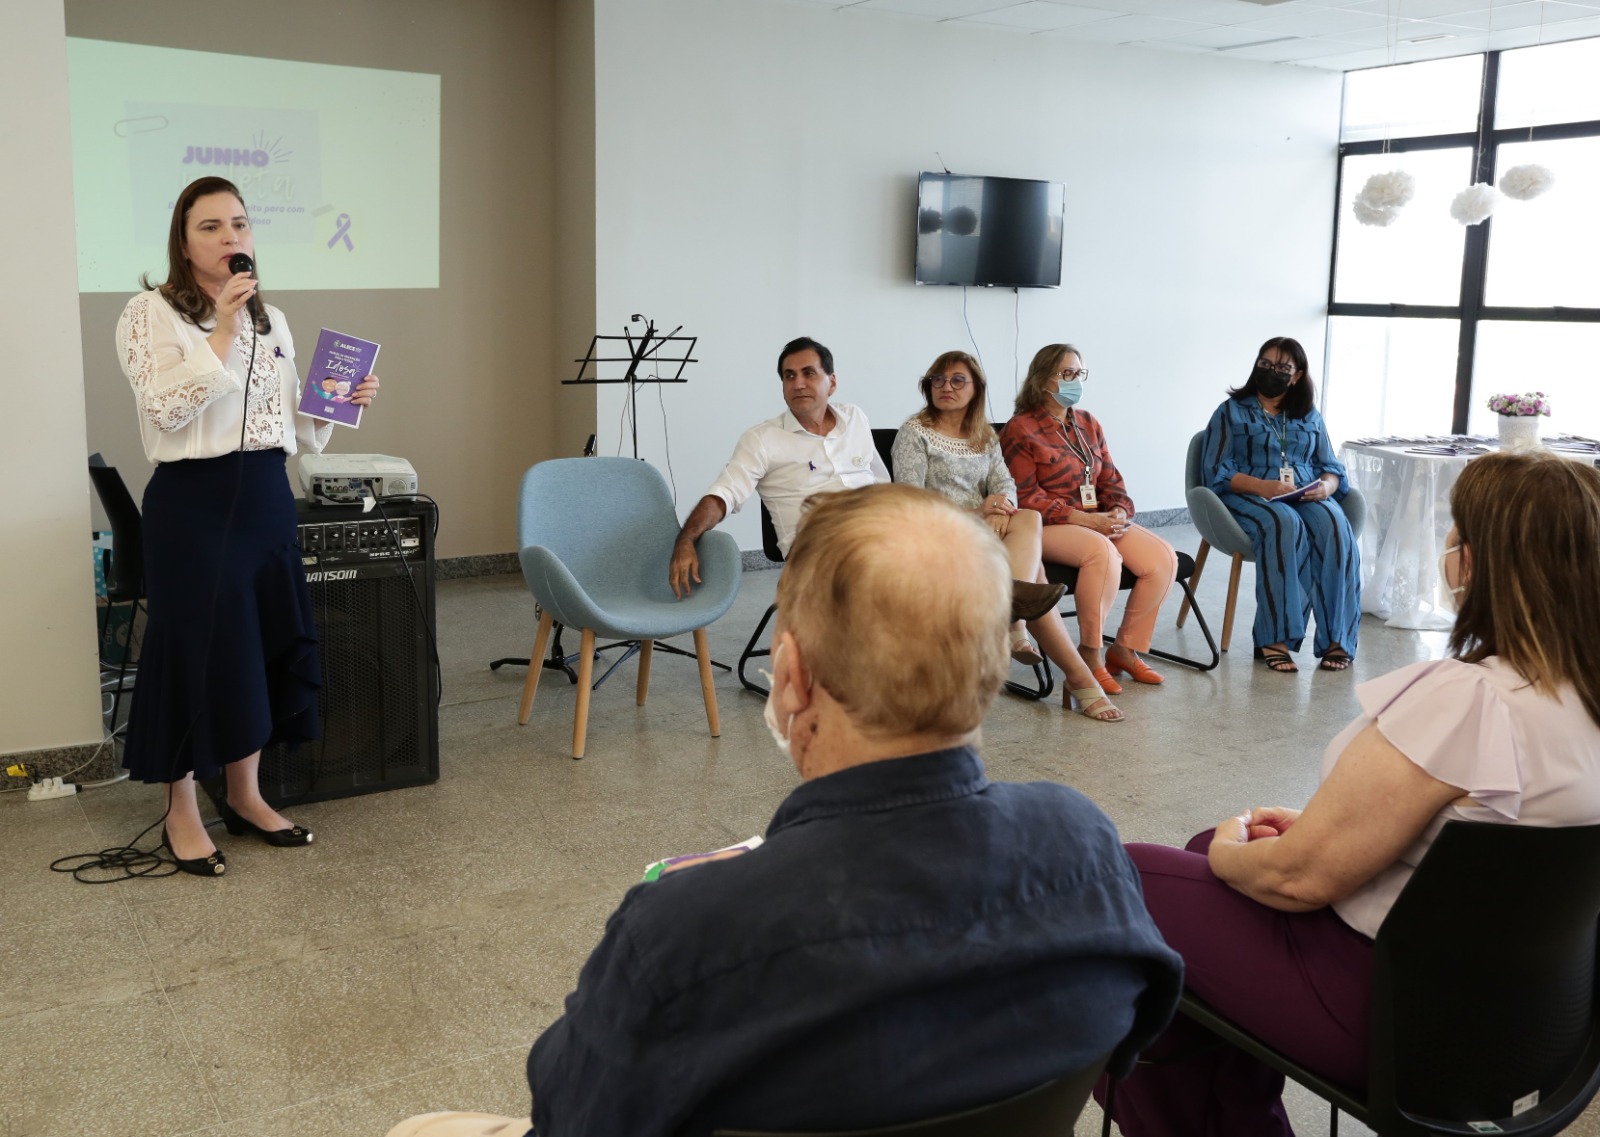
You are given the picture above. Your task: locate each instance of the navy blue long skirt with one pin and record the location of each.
(221, 678)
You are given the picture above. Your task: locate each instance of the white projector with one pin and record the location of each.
(354, 479)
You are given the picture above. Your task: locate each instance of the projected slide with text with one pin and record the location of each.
(339, 166)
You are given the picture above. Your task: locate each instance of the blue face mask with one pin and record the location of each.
(1069, 391)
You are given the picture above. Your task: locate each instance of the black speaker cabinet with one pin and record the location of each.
(371, 579)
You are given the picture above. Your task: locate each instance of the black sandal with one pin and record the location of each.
(1277, 660)
(1335, 659)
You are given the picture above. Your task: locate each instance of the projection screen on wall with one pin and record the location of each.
(339, 166)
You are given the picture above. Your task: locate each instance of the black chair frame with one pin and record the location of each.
(1044, 683)
(769, 545)
(1485, 1016)
(1044, 678)
(123, 566)
(1050, 1110)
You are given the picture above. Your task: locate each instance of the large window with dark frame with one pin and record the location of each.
(1427, 318)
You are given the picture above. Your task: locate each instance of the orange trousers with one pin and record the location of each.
(1099, 561)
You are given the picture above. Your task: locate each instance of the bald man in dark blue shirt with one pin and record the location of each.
(912, 938)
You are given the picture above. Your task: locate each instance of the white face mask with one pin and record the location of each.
(1452, 596)
(780, 738)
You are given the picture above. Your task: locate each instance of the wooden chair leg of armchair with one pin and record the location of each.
(646, 648)
(580, 722)
(535, 668)
(1194, 579)
(702, 652)
(1233, 600)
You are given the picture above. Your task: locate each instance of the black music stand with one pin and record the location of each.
(638, 349)
(650, 344)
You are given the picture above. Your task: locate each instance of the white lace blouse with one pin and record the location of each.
(924, 457)
(192, 405)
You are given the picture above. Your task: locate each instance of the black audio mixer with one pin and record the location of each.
(365, 544)
(344, 542)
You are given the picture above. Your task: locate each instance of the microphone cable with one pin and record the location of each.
(411, 578)
(127, 862)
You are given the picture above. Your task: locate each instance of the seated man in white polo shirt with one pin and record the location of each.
(813, 447)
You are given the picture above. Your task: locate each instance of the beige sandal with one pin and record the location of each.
(1093, 704)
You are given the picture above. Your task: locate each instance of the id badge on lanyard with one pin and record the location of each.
(1281, 432)
(1088, 500)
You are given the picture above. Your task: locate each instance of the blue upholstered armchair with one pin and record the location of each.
(596, 538)
(1218, 527)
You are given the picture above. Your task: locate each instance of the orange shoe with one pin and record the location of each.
(1107, 684)
(1139, 671)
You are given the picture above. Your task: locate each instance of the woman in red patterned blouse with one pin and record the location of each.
(1058, 456)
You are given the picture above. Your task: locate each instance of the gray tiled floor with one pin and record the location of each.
(405, 961)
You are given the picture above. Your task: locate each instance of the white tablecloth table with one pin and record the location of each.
(1408, 516)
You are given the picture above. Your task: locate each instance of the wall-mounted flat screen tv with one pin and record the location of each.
(991, 232)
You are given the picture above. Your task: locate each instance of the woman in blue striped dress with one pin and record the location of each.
(1265, 440)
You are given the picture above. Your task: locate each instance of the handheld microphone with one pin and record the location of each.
(241, 262)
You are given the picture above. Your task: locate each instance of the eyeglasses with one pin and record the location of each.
(954, 382)
(1081, 374)
(1280, 368)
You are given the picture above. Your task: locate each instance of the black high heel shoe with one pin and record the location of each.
(283, 838)
(214, 865)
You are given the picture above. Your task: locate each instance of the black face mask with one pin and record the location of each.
(1269, 383)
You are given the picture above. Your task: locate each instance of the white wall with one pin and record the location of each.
(48, 675)
(756, 169)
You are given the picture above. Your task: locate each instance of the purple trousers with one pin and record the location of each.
(1299, 981)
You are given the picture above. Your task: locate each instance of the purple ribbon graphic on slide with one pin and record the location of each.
(342, 231)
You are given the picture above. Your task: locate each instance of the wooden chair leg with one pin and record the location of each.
(646, 648)
(702, 652)
(1233, 600)
(580, 721)
(535, 668)
(1194, 579)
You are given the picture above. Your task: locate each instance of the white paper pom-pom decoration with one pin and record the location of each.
(1373, 214)
(1526, 182)
(1475, 203)
(1380, 199)
(1391, 190)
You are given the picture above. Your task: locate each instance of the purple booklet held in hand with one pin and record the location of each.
(338, 364)
(1294, 495)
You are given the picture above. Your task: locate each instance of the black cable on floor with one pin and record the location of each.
(128, 861)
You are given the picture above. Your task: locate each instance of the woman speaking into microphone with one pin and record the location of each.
(229, 663)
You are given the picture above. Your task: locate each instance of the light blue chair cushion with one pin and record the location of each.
(1221, 529)
(596, 537)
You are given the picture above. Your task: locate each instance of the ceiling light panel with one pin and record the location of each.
(1405, 30)
(1226, 37)
(934, 9)
(1040, 16)
(1355, 61)
(1202, 11)
(1290, 51)
(1316, 22)
(1130, 29)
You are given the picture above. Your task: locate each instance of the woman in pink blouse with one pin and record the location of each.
(1063, 470)
(1275, 910)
